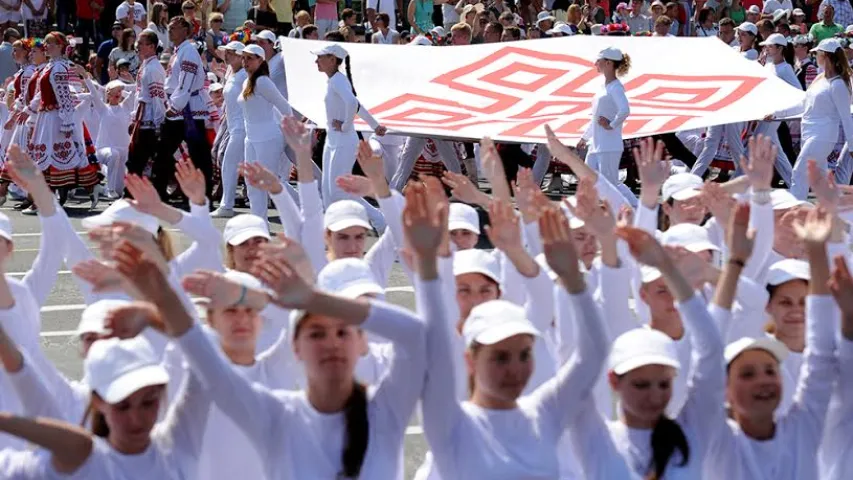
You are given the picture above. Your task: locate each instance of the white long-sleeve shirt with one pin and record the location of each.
(231, 93)
(296, 441)
(342, 105)
(792, 452)
(826, 105)
(185, 84)
(836, 450)
(258, 107)
(150, 91)
(113, 119)
(611, 103)
(785, 72)
(277, 73)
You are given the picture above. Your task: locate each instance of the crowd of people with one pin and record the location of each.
(684, 314)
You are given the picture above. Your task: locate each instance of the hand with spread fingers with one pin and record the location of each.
(559, 248)
(290, 290)
(597, 216)
(145, 197)
(463, 190)
(291, 252)
(424, 225)
(759, 167)
(355, 184)
(191, 181)
(653, 170)
(824, 187)
(260, 177)
(104, 278)
(816, 228)
(719, 202)
(644, 247)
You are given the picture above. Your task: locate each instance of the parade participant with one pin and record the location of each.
(236, 127)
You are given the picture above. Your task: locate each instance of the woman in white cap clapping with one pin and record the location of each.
(235, 123)
(827, 104)
(609, 110)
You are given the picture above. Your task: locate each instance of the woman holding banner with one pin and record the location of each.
(609, 110)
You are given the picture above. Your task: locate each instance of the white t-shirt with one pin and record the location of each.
(385, 6)
(138, 10)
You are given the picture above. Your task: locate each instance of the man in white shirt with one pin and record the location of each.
(187, 110)
(637, 21)
(131, 15)
(390, 7)
(384, 34)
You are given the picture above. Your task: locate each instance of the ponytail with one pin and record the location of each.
(623, 65)
(667, 437)
(842, 67)
(98, 422)
(348, 68)
(357, 432)
(263, 69)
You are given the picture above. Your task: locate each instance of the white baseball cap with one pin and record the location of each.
(788, 269)
(439, 32)
(829, 45)
(114, 84)
(266, 35)
(692, 237)
(5, 227)
(479, 261)
(782, 199)
(332, 49)
(94, 317)
(255, 50)
(767, 343)
(349, 277)
(798, 12)
(115, 368)
(421, 41)
(463, 217)
(610, 53)
(344, 214)
(244, 227)
(234, 46)
(775, 39)
(681, 186)
(543, 17)
(749, 26)
(649, 274)
(215, 87)
(562, 28)
(494, 321)
(122, 211)
(640, 347)
(752, 9)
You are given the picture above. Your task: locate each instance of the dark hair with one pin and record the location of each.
(727, 22)
(765, 24)
(347, 13)
(514, 32)
(308, 30)
(385, 19)
(98, 421)
(496, 26)
(841, 65)
(334, 36)
(126, 35)
(667, 437)
(149, 37)
(703, 15)
(156, 9)
(263, 69)
(348, 68)
(357, 435)
(11, 33)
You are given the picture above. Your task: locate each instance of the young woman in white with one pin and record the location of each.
(827, 104)
(235, 148)
(341, 139)
(758, 443)
(609, 110)
(264, 141)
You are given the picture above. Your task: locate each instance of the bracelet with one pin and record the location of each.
(733, 261)
(243, 291)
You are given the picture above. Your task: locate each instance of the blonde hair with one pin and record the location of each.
(216, 16)
(573, 15)
(230, 264)
(622, 66)
(303, 15)
(166, 244)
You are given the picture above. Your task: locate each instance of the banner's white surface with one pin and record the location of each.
(509, 91)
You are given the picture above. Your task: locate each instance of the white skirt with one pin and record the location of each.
(49, 147)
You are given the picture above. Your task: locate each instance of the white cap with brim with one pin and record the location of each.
(266, 35)
(463, 217)
(787, 270)
(421, 41)
(782, 199)
(681, 186)
(495, 321)
(122, 211)
(544, 16)
(476, 261)
(769, 344)
(331, 49)
(234, 46)
(244, 227)
(116, 369)
(610, 53)
(749, 27)
(93, 319)
(640, 347)
(753, 9)
(692, 237)
(349, 277)
(775, 39)
(345, 214)
(828, 45)
(255, 50)
(649, 274)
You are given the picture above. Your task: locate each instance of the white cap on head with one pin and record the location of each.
(649, 274)
(828, 45)
(692, 237)
(788, 269)
(749, 26)
(494, 321)
(798, 12)
(344, 214)
(349, 277)
(463, 217)
(562, 28)
(332, 49)
(775, 39)
(255, 50)
(114, 84)
(782, 199)
(544, 16)
(479, 261)
(769, 344)
(420, 41)
(93, 318)
(752, 9)
(610, 53)
(215, 87)
(5, 227)
(640, 347)
(681, 186)
(244, 227)
(116, 369)
(234, 46)
(122, 211)
(439, 32)
(266, 35)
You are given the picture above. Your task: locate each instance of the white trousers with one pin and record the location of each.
(813, 148)
(338, 159)
(269, 154)
(412, 150)
(390, 154)
(713, 138)
(605, 163)
(844, 169)
(115, 160)
(235, 150)
(783, 165)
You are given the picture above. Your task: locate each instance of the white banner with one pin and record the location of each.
(509, 91)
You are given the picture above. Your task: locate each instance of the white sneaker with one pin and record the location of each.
(95, 196)
(222, 212)
(31, 210)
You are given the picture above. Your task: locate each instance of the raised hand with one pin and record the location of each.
(841, 286)
(816, 227)
(260, 177)
(370, 163)
(23, 170)
(718, 202)
(191, 181)
(740, 238)
(504, 230)
(824, 188)
(597, 217)
(291, 252)
(561, 152)
(759, 167)
(493, 169)
(424, 225)
(103, 277)
(108, 237)
(625, 218)
(297, 136)
(528, 196)
(558, 244)
(693, 267)
(355, 184)
(145, 196)
(130, 320)
(644, 246)
(652, 169)
(216, 287)
(289, 288)
(463, 190)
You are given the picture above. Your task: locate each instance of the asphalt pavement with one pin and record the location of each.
(61, 313)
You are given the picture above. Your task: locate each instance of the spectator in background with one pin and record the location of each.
(215, 36)
(593, 13)
(460, 34)
(263, 15)
(8, 67)
(104, 50)
(159, 24)
(798, 17)
(511, 34)
(662, 27)
(507, 19)
(753, 14)
(384, 33)
(310, 32)
(284, 14)
(449, 14)
(233, 13)
(672, 14)
(545, 21)
(637, 21)
(132, 15)
(347, 18)
(621, 13)
(197, 26)
(420, 16)
(88, 16)
(302, 18)
(493, 32)
(34, 14)
(375, 7)
(705, 23)
(10, 14)
(765, 29)
(726, 32)
(827, 27)
(126, 51)
(326, 16)
(736, 12)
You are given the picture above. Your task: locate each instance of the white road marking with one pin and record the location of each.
(84, 232)
(21, 274)
(63, 308)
